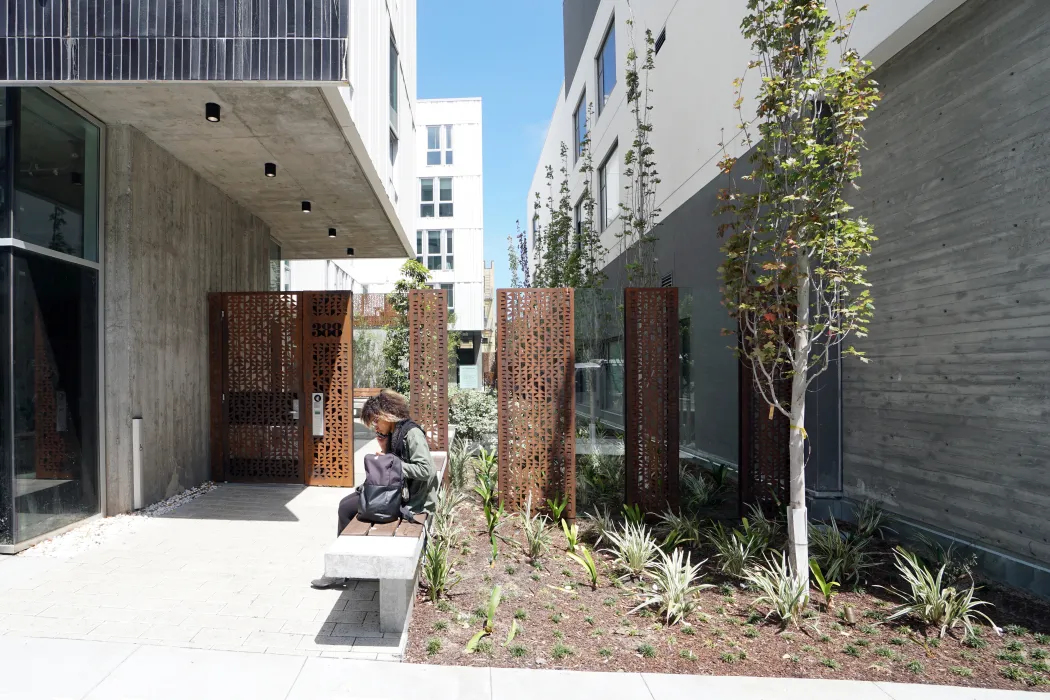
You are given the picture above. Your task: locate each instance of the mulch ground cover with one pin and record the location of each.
(564, 624)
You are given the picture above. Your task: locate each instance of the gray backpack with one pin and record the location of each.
(384, 489)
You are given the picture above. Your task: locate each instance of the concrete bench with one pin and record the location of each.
(389, 552)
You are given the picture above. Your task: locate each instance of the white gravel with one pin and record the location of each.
(98, 532)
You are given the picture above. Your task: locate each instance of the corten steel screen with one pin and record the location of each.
(329, 363)
(428, 363)
(269, 351)
(765, 463)
(536, 397)
(651, 384)
(373, 311)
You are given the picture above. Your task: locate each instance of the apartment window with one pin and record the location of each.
(607, 67)
(579, 121)
(608, 189)
(393, 78)
(393, 149)
(445, 195)
(438, 253)
(439, 140)
(451, 296)
(426, 197)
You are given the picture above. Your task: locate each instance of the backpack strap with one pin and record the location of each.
(397, 440)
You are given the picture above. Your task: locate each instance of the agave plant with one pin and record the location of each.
(597, 525)
(443, 525)
(778, 588)
(842, 556)
(738, 548)
(932, 601)
(459, 457)
(673, 589)
(633, 549)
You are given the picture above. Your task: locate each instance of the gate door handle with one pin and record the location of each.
(295, 409)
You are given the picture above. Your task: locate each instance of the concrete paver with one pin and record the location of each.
(229, 570)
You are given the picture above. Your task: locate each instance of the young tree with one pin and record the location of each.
(395, 350)
(638, 211)
(793, 275)
(523, 254)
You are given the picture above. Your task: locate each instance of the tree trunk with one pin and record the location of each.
(798, 521)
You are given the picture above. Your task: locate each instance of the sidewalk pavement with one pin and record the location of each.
(42, 669)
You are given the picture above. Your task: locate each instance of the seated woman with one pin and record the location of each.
(387, 414)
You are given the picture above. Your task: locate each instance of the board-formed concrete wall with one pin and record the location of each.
(950, 423)
(170, 238)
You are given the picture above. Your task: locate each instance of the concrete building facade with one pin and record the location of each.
(947, 426)
(153, 153)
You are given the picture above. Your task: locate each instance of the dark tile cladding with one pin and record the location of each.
(114, 40)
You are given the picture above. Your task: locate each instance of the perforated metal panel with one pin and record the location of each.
(262, 386)
(373, 311)
(328, 341)
(536, 398)
(765, 462)
(428, 363)
(651, 382)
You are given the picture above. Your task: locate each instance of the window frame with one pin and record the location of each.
(444, 144)
(394, 82)
(432, 202)
(604, 219)
(445, 255)
(578, 136)
(449, 287)
(601, 68)
(442, 202)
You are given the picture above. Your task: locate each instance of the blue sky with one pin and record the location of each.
(509, 54)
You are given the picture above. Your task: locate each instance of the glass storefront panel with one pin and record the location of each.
(56, 181)
(6, 135)
(7, 471)
(54, 328)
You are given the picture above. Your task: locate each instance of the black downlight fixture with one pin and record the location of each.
(331, 233)
(307, 207)
(212, 112)
(349, 252)
(270, 169)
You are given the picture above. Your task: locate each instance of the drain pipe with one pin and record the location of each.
(136, 462)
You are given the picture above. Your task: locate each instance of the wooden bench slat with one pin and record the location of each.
(384, 529)
(408, 529)
(357, 527)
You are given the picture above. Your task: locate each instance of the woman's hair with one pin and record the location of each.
(387, 405)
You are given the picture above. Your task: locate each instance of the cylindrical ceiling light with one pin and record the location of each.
(212, 111)
(349, 252)
(270, 169)
(331, 233)
(307, 208)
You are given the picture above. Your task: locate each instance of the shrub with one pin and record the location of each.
(634, 549)
(1042, 638)
(459, 457)
(473, 412)
(697, 493)
(518, 651)
(842, 556)
(914, 666)
(433, 646)
(830, 663)
(827, 587)
(931, 601)
(597, 524)
(751, 632)
(1039, 654)
(440, 626)
(961, 671)
(736, 549)
(647, 651)
(957, 566)
(1013, 656)
(443, 526)
(600, 481)
(687, 654)
(677, 529)
(851, 650)
(885, 653)
(974, 642)
(673, 592)
(778, 588)
(1015, 645)
(1016, 630)
(605, 653)
(728, 657)
(584, 559)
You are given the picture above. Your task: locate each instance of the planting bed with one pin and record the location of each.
(565, 624)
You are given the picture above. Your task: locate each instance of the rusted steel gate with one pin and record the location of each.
(281, 384)
(651, 387)
(765, 463)
(428, 363)
(536, 398)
